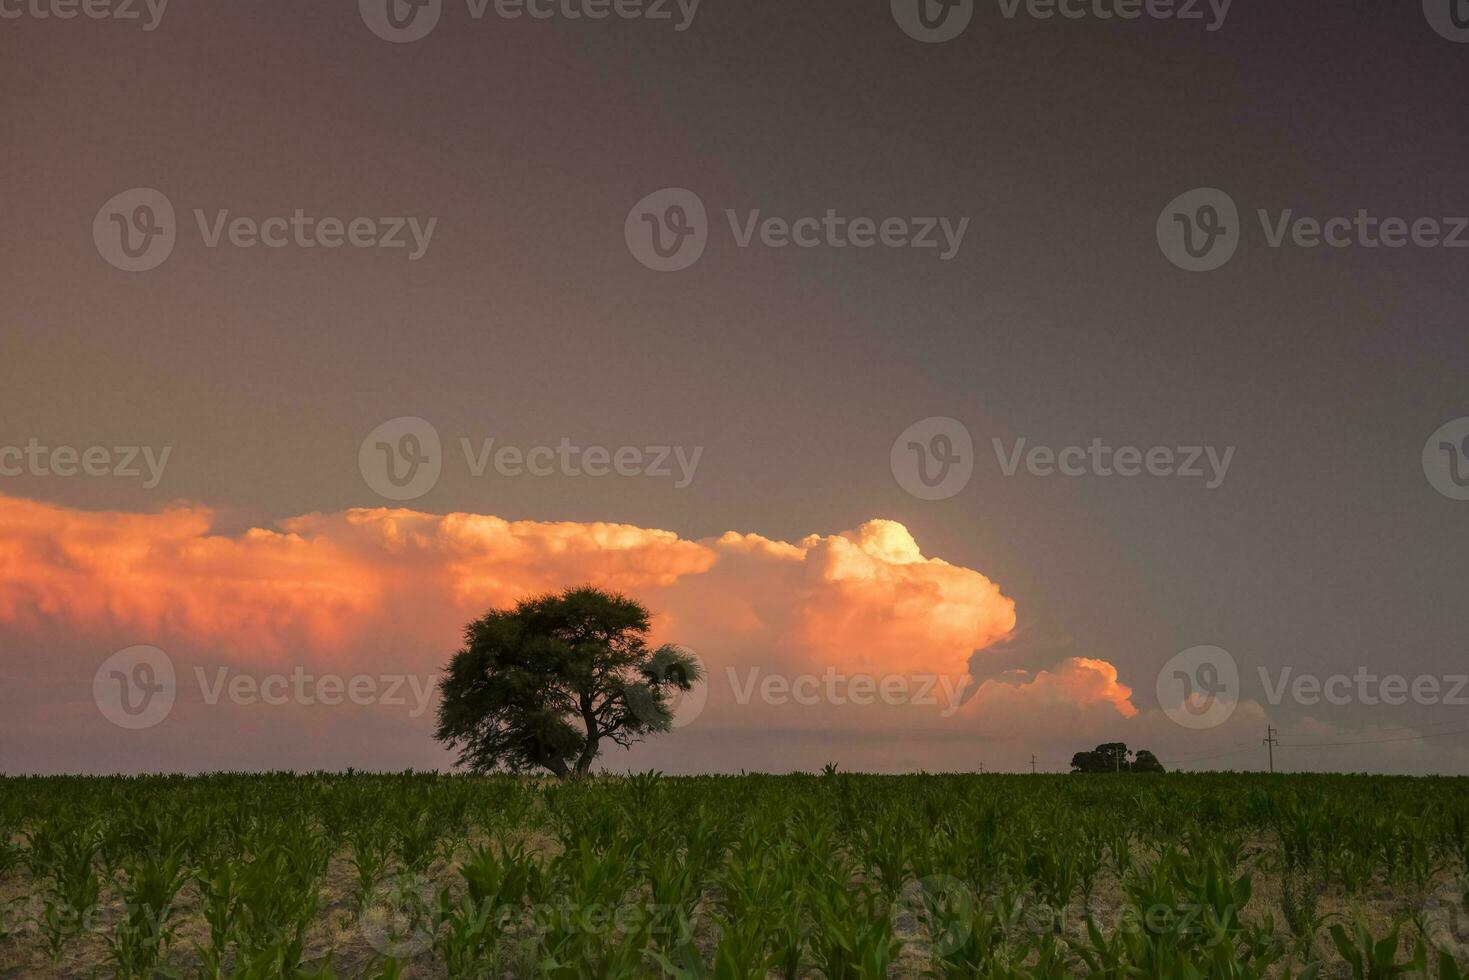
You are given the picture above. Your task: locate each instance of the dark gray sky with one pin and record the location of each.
(1059, 320)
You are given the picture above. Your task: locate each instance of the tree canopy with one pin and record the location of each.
(545, 684)
(1115, 757)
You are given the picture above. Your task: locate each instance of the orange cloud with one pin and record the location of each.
(397, 586)
(863, 601)
(486, 561)
(1076, 681)
(163, 574)
(875, 598)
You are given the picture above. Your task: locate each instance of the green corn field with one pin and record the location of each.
(834, 875)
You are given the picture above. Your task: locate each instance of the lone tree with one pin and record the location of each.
(1114, 757)
(543, 685)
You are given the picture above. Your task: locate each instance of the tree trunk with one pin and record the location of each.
(589, 748)
(588, 755)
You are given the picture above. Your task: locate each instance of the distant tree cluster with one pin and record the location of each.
(1115, 757)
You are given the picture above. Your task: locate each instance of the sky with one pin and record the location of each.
(822, 332)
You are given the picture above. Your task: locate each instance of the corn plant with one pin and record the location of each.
(833, 874)
(499, 884)
(64, 855)
(371, 850)
(1300, 896)
(853, 935)
(1377, 959)
(149, 887)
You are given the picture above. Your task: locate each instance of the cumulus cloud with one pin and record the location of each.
(864, 600)
(165, 575)
(390, 589)
(1081, 682)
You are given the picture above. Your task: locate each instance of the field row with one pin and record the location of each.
(833, 875)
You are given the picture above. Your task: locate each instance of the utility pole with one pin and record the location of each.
(1032, 763)
(981, 768)
(1270, 742)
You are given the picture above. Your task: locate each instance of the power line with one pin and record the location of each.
(1374, 741)
(1272, 739)
(1241, 747)
(1416, 730)
(1275, 733)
